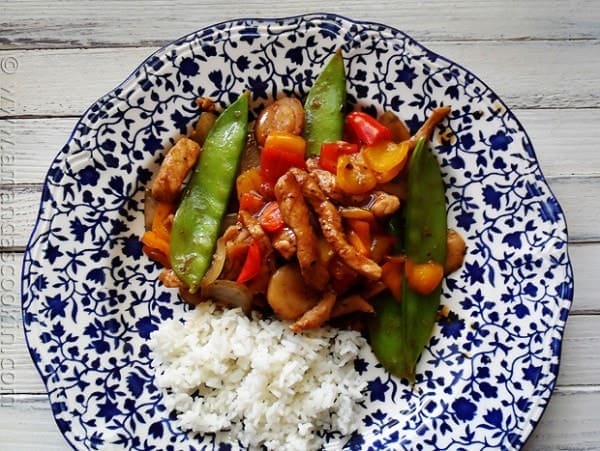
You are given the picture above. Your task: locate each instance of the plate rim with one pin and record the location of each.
(567, 300)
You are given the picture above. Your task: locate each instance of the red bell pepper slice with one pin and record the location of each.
(330, 152)
(252, 263)
(270, 217)
(366, 128)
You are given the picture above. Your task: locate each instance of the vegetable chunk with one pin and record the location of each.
(198, 219)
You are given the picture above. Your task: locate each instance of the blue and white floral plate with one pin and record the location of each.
(91, 299)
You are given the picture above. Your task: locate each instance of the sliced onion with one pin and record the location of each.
(149, 209)
(216, 266)
(357, 213)
(228, 220)
(251, 154)
(190, 298)
(203, 126)
(229, 294)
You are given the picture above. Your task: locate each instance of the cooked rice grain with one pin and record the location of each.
(256, 379)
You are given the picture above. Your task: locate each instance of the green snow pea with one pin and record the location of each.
(399, 331)
(198, 218)
(323, 108)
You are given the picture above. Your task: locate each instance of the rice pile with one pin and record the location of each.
(221, 371)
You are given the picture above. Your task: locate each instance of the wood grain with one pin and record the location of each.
(541, 58)
(542, 82)
(26, 422)
(570, 422)
(581, 340)
(579, 197)
(582, 335)
(76, 24)
(59, 74)
(585, 259)
(22, 414)
(565, 141)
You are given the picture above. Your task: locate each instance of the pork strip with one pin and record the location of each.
(318, 315)
(330, 221)
(256, 231)
(178, 162)
(351, 304)
(296, 215)
(284, 242)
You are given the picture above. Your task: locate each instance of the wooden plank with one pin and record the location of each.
(17, 371)
(533, 74)
(565, 140)
(581, 340)
(582, 335)
(585, 259)
(541, 74)
(60, 73)
(580, 200)
(20, 207)
(30, 146)
(26, 422)
(72, 24)
(569, 422)
(579, 197)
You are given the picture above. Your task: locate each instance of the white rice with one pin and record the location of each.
(219, 371)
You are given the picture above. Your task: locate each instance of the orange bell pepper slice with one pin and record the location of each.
(249, 180)
(154, 241)
(359, 236)
(252, 202)
(423, 277)
(161, 225)
(391, 276)
(157, 256)
(281, 152)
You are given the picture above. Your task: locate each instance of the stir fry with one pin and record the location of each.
(306, 216)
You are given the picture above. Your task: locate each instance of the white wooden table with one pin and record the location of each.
(542, 57)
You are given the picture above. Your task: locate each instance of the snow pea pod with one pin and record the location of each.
(399, 331)
(323, 108)
(198, 218)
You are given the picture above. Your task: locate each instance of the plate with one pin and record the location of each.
(91, 299)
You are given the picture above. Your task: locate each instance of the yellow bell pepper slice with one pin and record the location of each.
(387, 158)
(353, 176)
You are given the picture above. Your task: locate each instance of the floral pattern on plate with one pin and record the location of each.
(91, 298)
